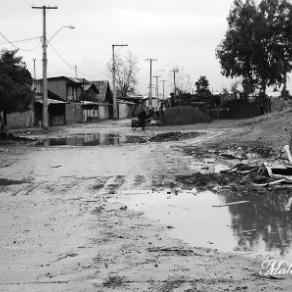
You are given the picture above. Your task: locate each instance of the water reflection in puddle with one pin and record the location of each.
(86, 140)
(261, 226)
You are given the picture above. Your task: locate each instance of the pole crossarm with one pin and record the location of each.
(44, 7)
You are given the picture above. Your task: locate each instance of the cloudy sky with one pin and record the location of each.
(181, 33)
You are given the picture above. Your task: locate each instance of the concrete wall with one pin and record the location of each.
(20, 120)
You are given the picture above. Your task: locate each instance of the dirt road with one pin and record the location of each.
(66, 223)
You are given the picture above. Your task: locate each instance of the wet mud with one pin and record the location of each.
(174, 136)
(139, 218)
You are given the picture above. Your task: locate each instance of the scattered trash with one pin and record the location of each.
(287, 149)
(245, 232)
(281, 173)
(231, 204)
(270, 183)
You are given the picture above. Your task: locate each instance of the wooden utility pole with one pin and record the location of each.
(34, 75)
(115, 108)
(151, 60)
(174, 71)
(45, 63)
(156, 86)
(163, 84)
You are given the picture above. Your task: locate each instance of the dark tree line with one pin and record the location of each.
(15, 86)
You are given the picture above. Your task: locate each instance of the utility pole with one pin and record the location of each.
(45, 63)
(151, 60)
(174, 71)
(115, 108)
(156, 86)
(34, 75)
(163, 84)
(75, 68)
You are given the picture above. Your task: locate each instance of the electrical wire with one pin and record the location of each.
(67, 63)
(19, 41)
(60, 56)
(18, 48)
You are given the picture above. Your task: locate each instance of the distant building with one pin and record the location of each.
(86, 101)
(104, 91)
(68, 89)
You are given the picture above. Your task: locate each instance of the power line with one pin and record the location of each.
(61, 57)
(67, 63)
(19, 41)
(18, 48)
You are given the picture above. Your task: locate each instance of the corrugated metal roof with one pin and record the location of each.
(51, 101)
(71, 79)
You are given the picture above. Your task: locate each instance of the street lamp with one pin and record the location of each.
(64, 26)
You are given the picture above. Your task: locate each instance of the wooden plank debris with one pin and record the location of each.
(231, 204)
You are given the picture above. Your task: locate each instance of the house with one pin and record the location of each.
(86, 101)
(104, 99)
(90, 92)
(69, 89)
(104, 91)
(157, 104)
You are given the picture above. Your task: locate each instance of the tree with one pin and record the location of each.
(234, 86)
(258, 44)
(15, 86)
(126, 71)
(202, 86)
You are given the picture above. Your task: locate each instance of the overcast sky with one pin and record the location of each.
(182, 33)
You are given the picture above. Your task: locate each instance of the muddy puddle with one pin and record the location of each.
(86, 140)
(115, 139)
(260, 226)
